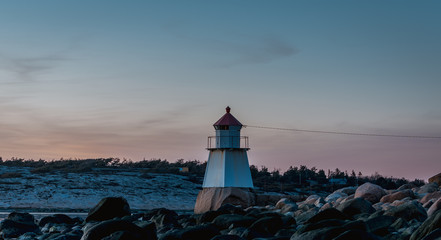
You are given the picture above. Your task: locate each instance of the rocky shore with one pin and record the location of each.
(366, 212)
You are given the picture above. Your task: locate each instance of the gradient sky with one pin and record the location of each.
(143, 79)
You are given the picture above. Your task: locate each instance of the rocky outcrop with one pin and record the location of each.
(370, 192)
(210, 199)
(436, 179)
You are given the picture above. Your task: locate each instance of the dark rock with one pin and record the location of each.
(122, 235)
(21, 217)
(330, 213)
(408, 211)
(57, 218)
(107, 228)
(399, 223)
(380, 225)
(285, 232)
(305, 216)
(327, 223)
(434, 235)
(209, 216)
(315, 234)
(227, 237)
(162, 217)
(202, 232)
(356, 206)
(17, 224)
(237, 231)
(29, 236)
(429, 225)
(109, 208)
(229, 208)
(355, 234)
(226, 220)
(267, 226)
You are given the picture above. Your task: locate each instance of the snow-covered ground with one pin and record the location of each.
(60, 190)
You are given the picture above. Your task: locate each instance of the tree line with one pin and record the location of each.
(292, 179)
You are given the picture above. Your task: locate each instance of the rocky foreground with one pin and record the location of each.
(366, 212)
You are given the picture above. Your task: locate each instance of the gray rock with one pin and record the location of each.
(408, 211)
(429, 225)
(428, 188)
(109, 208)
(226, 220)
(356, 206)
(370, 192)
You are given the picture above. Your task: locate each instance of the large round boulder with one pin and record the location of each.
(355, 206)
(109, 208)
(17, 224)
(370, 192)
(389, 198)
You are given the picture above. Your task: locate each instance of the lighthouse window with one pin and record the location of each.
(223, 127)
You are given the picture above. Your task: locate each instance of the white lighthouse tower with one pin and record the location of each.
(227, 164)
(227, 176)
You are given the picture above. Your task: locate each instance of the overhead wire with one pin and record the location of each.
(343, 133)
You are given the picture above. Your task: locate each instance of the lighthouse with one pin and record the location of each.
(227, 175)
(227, 164)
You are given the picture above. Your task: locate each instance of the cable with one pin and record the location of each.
(343, 133)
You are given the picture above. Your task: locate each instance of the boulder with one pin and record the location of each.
(429, 225)
(57, 219)
(109, 208)
(380, 225)
(428, 188)
(330, 213)
(370, 192)
(202, 232)
(109, 227)
(356, 206)
(213, 198)
(334, 196)
(429, 196)
(436, 179)
(17, 224)
(346, 190)
(226, 220)
(408, 211)
(434, 208)
(397, 196)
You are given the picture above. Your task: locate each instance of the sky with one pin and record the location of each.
(147, 80)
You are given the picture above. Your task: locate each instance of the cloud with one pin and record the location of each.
(239, 48)
(260, 51)
(26, 69)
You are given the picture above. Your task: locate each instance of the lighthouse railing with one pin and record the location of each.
(243, 141)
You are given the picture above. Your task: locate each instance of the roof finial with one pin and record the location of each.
(228, 109)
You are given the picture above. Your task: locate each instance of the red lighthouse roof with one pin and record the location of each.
(227, 120)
